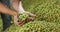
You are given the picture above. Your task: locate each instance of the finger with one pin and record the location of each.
(22, 23)
(31, 18)
(31, 15)
(16, 21)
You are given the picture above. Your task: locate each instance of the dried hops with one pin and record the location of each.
(35, 26)
(40, 26)
(22, 16)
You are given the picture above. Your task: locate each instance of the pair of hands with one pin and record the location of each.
(22, 22)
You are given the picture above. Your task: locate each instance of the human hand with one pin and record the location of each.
(31, 17)
(16, 20)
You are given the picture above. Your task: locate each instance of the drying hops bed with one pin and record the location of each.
(36, 26)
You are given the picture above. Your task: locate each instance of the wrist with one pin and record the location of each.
(14, 14)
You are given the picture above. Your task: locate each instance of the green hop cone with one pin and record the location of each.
(22, 16)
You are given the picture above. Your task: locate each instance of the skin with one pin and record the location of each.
(4, 9)
(15, 5)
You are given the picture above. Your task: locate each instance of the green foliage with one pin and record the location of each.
(48, 10)
(48, 14)
(40, 26)
(36, 26)
(22, 16)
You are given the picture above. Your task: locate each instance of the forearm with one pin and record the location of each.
(21, 9)
(4, 9)
(17, 5)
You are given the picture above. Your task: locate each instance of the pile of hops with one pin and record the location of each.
(22, 16)
(48, 10)
(36, 26)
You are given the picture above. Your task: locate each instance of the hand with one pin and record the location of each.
(30, 14)
(16, 20)
(22, 23)
(31, 17)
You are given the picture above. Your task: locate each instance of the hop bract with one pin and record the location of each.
(22, 16)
